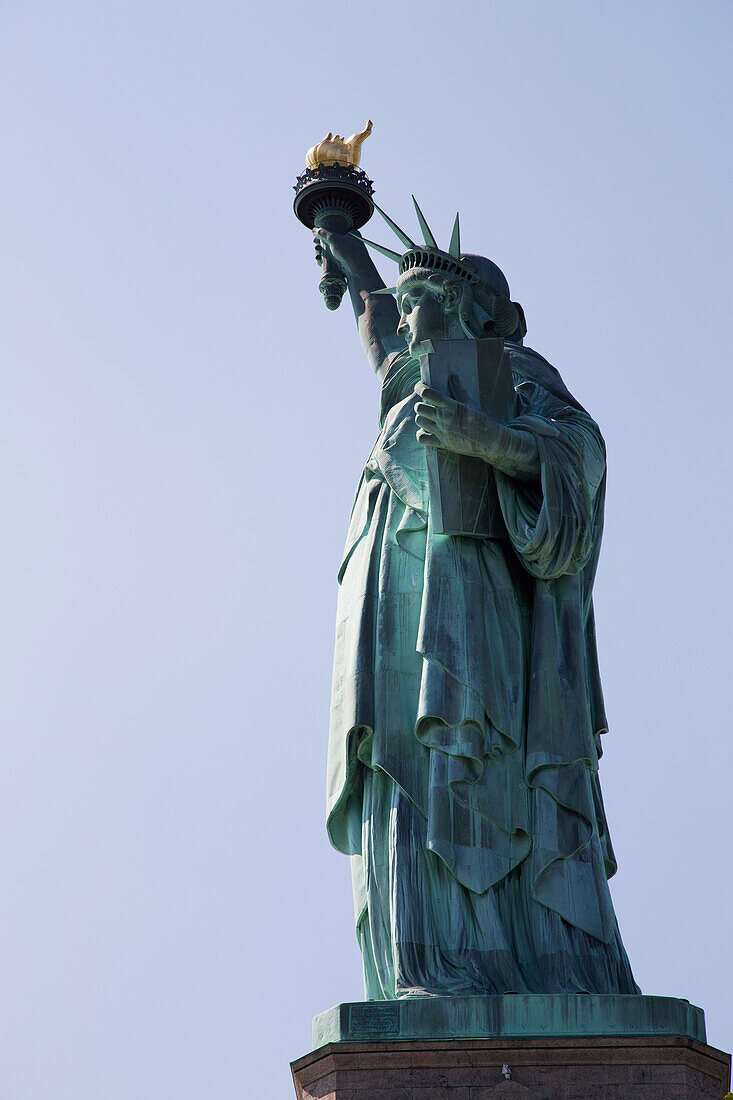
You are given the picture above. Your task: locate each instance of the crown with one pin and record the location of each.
(428, 256)
(485, 286)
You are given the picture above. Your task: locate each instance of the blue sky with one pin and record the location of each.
(184, 425)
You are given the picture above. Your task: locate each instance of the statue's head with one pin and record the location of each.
(441, 298)
(451, 295)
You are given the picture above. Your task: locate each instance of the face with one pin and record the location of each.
(421, 312)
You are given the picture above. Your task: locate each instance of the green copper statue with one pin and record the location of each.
(467, 709)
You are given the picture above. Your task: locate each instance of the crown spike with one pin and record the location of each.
(395, 228)
(387, 290)
(428, 237)
(380, 248)
(454, 248)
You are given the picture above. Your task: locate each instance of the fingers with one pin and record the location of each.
(427, 412)
(427, 439)
(320, 243)
(433, 396)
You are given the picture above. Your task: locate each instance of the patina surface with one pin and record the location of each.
(467, 708)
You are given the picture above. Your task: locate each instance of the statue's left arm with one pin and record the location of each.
(457, 426)
(549, 464)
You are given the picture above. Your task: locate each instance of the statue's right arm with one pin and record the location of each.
(377, 316)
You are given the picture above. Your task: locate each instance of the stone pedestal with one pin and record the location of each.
(613, 1048)
(541, 1069)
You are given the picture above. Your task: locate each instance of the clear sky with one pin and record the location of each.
(184, 425)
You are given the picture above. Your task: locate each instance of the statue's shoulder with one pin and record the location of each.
(532, 367)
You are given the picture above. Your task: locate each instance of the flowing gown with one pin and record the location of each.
(466, 718)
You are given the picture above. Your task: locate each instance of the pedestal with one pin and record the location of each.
(559, 1047)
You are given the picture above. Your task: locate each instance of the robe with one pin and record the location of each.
(466, 717)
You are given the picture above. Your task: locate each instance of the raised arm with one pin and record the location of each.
(377, 316)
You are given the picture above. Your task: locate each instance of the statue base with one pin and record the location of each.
(515, 1047)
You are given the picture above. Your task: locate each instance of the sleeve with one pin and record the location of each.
(555, 525)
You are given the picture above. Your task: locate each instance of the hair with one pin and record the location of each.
(484, 306)
(489, 273)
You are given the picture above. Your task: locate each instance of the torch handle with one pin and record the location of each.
(333, 281)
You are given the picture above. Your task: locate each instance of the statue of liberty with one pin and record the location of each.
(467, 708)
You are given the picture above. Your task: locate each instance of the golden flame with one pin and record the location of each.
(337, 150)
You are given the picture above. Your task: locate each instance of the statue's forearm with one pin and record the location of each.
(514, 452)
(376, 315)
(460, 427)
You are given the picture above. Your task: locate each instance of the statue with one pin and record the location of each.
(467, 708)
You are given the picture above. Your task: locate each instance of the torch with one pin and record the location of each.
(334, 194)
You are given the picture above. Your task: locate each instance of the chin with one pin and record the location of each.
(417, 339)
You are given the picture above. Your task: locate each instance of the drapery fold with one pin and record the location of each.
(466, 669)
